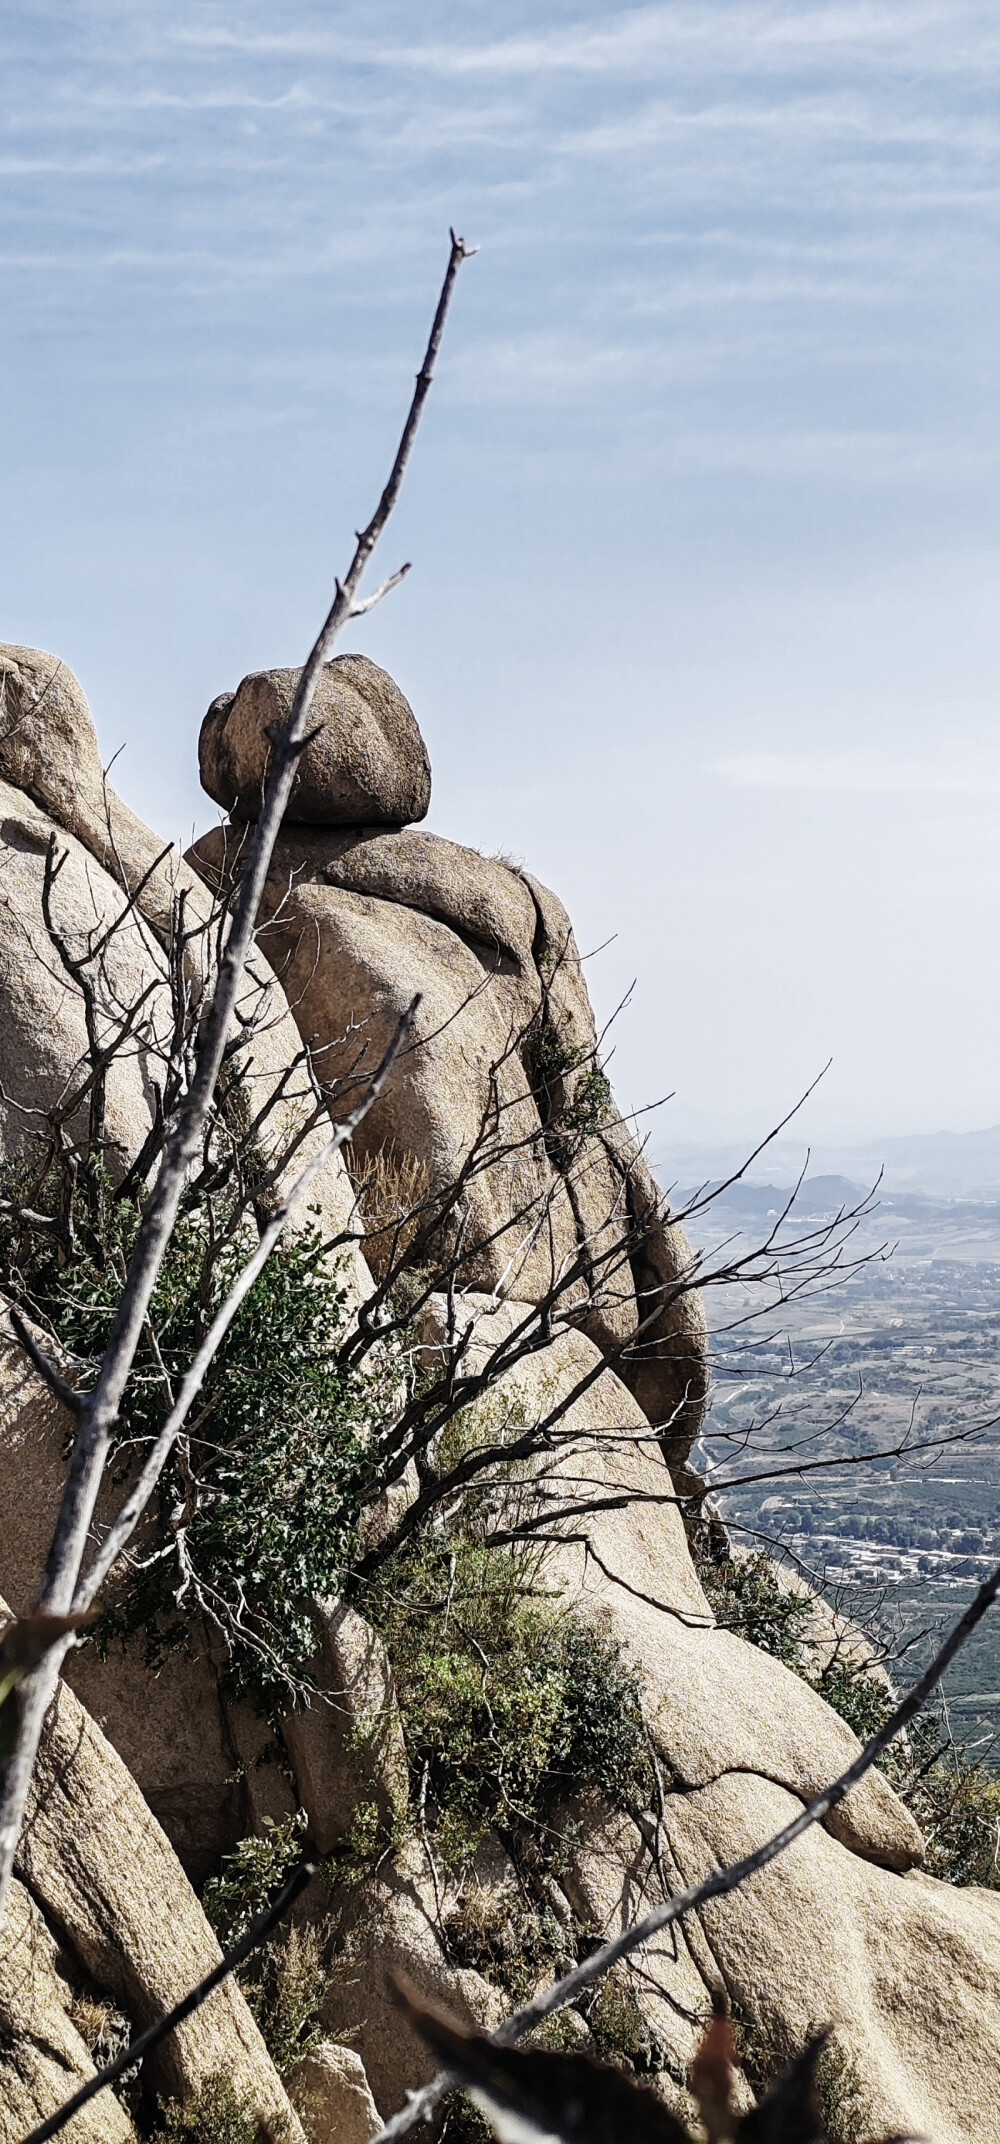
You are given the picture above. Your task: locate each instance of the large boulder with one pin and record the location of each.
(366, 759)
(503, 1068)
(905, 1968)
(43, 1035)
(49, 756)
(331, 2092)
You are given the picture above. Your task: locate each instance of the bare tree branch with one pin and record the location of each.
(99, 1411)
(65, 1393)
(359, 610)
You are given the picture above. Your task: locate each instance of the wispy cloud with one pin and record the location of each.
(871, 772)
(757, 37)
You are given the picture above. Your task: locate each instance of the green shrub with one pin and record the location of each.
(258, 1506)
(251, 1876)
(550, 1058)
(509, 1704)
(284, 1981)
(216, 2114)
(745, 1597)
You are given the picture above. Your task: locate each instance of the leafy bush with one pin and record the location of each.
(568, 1114)
(745, 1597)
(251, 1876)
(258, 1506)
(509, 1704)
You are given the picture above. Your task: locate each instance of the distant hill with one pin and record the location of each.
(821, 1198)
(934, 1165)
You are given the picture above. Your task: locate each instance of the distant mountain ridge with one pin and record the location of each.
(820, 1198)
(934, 1165)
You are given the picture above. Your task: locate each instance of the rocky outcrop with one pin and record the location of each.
(394, 1917)
(504, 1065)
(365, 760)
(713, 1703)
(103, 1877)
(117, 887)
(906, 1968)
(332, 2094)
(347, 1745)
(54, 785)
(360, 910)
(43, 1036)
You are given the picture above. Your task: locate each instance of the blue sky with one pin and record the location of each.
(703, 621)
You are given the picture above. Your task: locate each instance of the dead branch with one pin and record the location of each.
(100, 1408)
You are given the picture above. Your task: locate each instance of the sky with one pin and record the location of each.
(703, 621)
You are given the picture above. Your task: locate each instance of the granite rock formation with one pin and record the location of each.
(360, 909)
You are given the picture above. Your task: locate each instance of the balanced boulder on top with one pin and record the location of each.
(366, 764)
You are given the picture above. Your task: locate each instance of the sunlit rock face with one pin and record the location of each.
(358, 918)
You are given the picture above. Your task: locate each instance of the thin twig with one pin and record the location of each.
(359, 610)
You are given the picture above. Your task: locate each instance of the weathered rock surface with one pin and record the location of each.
(355, 922)
(43, 2059)
(906, 1968)
(49, 755)
(332, 2094)
(94, 1856)
(609, 1882)
(392, 1918)
(192, 1755)
(367, 761)
(843, 1927)
(347, 1746)
(43, 1037)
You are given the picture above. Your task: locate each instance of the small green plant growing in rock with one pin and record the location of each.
(569, 1112)
(218, 2113)
(285, 1980)
(617, 2025)
(510, 1705)
(506, 1939)
(745, 1597)
(251, 1876)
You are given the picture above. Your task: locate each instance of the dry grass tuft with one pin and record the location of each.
(394, 1194)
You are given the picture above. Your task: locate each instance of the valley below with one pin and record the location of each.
(854, 1431)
